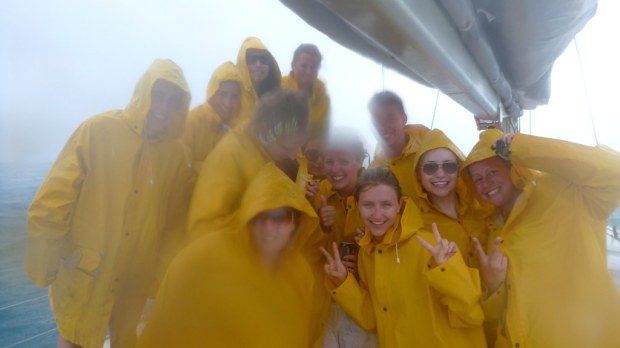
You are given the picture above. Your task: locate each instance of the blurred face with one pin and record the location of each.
(313, 152)
(227, 100)
(272, 230)
(166, 103)
(389, 122)
(258, 65)
(341, 169)
(438, 171)
(492, 180)
(379, 207)
(306, 70)
(286, 146)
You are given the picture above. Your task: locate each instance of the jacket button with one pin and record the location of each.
(333, 293)
(135, 191)
(385, 309)
(517, 345)
(380, 251)
(443, 269)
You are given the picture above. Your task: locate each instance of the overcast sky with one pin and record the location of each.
(62, 61)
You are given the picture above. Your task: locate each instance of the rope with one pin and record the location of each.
(435, 109)
(585, 90)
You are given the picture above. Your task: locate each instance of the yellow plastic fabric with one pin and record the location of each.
(249, 97)
(558, 292)
(319, 105)
(108, 214)
(218, 294)
(204, 127)
(402, 166)
(405, 301)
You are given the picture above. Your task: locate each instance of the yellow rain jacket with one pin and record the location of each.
(406, 302)
(319, 105)
(402, 166)
(204, 127)
(249, 97)
(471, 220)
(217, 293)
(106, 214)
(558, 292)
(223, 179)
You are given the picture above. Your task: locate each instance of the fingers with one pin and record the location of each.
(436, 232)
(336, 252)
(507, 138)
(481, 254)
(425, 244)
(496, 243)
(323, 201)
(330, 259)
(359, 234)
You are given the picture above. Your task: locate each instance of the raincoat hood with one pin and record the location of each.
(272, 189)
(135, 114)
(225, 72)
(242, 64)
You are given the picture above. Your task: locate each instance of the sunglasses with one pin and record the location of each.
(313, 155)
(431, 168)
(263, 58)
(277, 215)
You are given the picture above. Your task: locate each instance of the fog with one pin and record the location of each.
(63, 61)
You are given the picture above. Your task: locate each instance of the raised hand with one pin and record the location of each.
(443, 250)
(312, 189)
(334, 268)
(493, 267)
(327, 214)
(350, 263)
(359, 234)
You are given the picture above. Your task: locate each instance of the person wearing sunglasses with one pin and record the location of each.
(260, 75)
(545, 263)
(304, 77)
(209, 122)
(246, 285)
(443, 197)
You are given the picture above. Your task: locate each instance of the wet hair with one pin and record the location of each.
(386, 98)
(281, 112)
(307, 48)
(346, 139)
(272, 81)
(374, 177)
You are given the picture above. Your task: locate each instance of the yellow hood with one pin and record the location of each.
(225, 72)
(242, 65)
(136, 112)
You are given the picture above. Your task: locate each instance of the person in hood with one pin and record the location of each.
(414, 288)
(110, 209)
(304, 77)
(275, 134)
(209, 122)
(545, 265)
(246, 285)
(398, 141)
(260, 75)
(443, 197)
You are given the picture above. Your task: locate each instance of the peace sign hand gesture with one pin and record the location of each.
(493, 266)
(442, 251)
(334, 268)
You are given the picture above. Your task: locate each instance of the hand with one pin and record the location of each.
(443, 250)
(507, 138)
(350, 262)
(493, 267)
(334, 268)
(327, 214)
(312, 189)
(359, 234)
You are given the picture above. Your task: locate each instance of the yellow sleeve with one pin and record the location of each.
(355, 300)
(459, 287)
(49, 215)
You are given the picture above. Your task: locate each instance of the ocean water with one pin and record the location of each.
(25, 316)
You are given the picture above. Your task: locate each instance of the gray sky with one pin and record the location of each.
(63, 61)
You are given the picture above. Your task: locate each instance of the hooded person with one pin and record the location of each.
(260, 75)
(275, 134)
(209, 122)
(109, 209)
(443, 197)
(246, 285)
(414, 288)
(304, 77)
(552, 199)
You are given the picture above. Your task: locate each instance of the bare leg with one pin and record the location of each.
(64, 343)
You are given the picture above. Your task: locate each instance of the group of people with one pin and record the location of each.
(249, 222)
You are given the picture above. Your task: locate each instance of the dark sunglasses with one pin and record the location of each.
(253, 58)
(431, 168)
(313, 155)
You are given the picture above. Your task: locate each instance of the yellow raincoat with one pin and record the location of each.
(204, 127)
(249, 97)
(110, 204)
(319, 105)
(217, 293)
(471, 220)
(224, 178)
(406, 302)
(558, 292)
(402, 166)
